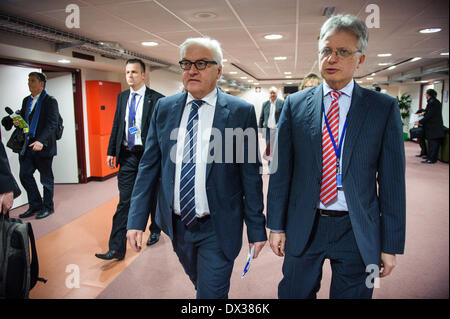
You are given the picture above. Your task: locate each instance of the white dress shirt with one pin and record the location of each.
(344, 106)
(33, 104)
(205, 121)
(271, 122)
(138, 119)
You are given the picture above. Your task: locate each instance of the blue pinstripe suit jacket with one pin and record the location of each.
(373, 172)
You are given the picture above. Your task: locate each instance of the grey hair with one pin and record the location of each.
(347, 23)
(211, 44)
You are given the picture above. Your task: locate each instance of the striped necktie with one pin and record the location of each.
(187, 178)
(328, 187)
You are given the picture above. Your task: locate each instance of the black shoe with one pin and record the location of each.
(421, 155)
(153, 239)
(428, 162)
(30, 212)
(44, 213)
(111, 254)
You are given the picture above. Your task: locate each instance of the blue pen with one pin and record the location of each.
(249, 260)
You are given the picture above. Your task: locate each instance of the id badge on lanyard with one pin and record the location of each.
(337, 150)
(134, 129)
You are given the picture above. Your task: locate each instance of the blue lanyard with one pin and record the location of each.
(337, 150)
(131, 114)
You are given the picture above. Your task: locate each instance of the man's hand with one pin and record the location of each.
(258, 246)
(16, 123)
(388, 262)
(6, 201)
(37, 146)
(277, 243)
(135, 239)
(110, 161)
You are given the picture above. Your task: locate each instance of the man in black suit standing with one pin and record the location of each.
(8, 186)
(40, 111)
(270, 113)
(126, 144)
(433, 125)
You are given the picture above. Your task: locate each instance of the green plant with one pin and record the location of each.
(404, 103)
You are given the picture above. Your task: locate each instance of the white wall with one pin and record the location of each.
(165, 82)
(65, 164)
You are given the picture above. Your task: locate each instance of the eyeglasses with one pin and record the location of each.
(326, 52)
(199, 64)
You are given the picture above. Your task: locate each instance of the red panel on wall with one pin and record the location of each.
(101, 99)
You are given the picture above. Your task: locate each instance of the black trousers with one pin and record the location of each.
(423, 146)
(29, 163)
(126, 177)
(433, 149)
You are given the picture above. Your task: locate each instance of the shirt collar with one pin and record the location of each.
(35, 97)
(210, 98)
(347, 90)
(140, 92)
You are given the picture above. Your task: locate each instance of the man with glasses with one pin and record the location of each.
(203, 198)
(339, 191)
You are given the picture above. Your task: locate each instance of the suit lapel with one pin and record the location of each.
(356, 117)
(219, 122)
(146, 106)
(314, 113)
(176, 113)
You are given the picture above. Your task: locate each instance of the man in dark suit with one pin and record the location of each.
(126, 145)
(40, 111)
(270, 113)
(433, 125)
(203, 200)
(8, 186)
(339, 191)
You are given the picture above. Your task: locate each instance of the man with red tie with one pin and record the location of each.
(339, 190)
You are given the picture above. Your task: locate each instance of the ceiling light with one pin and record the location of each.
(205, 15)
(224, 60)
(430, 30)
(64, 61)
(256, 83)
(232, 72)
(287, 73)
(243, 77)
(369, 79)
(444, 53)
(359, 81)
(373, 74)
(288, 77)
(382, 64)
(149, 44)
(392, 67)
(416, 59)
(250, 81)
(382, 55)
(279, 58)
(273, 36)
(288, 82)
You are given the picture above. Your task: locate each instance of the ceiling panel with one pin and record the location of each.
(240, 26)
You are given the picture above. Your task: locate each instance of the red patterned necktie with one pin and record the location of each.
(328, 187)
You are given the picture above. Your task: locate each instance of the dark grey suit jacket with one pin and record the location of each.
(373, 172)
(234, 190)
(265, 112)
